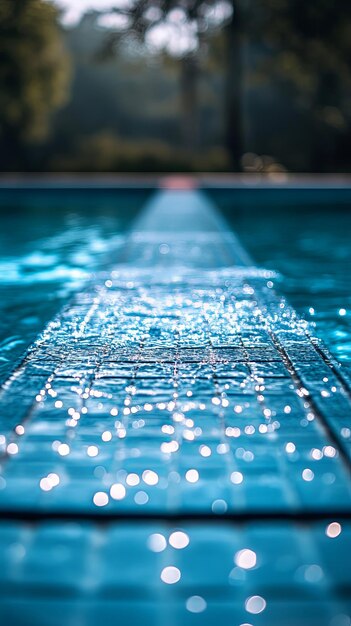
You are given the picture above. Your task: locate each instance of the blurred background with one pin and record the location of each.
(175, 85)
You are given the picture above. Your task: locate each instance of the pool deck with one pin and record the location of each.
(178, 389)
(178, 180)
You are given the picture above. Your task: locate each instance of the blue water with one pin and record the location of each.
(52, 241)
(55, 572)
(309, 243)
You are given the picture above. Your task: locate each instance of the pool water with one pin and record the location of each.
(51, 241)
(308, 242)
(240, 572)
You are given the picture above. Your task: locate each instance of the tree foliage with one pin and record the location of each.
(310, 45)
(34, 69)
(300, 49)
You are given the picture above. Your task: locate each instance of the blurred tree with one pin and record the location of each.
(301, 47)
(181, 28)
(34, 76)
(235, 37)
(305, 51)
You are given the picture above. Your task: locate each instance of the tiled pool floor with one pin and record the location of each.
(176, 447)
(69, 573)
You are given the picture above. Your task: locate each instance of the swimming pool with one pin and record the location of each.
(52, 239)
(244, 571)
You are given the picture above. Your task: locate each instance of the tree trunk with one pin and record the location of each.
(189, 103)
(234, 87)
